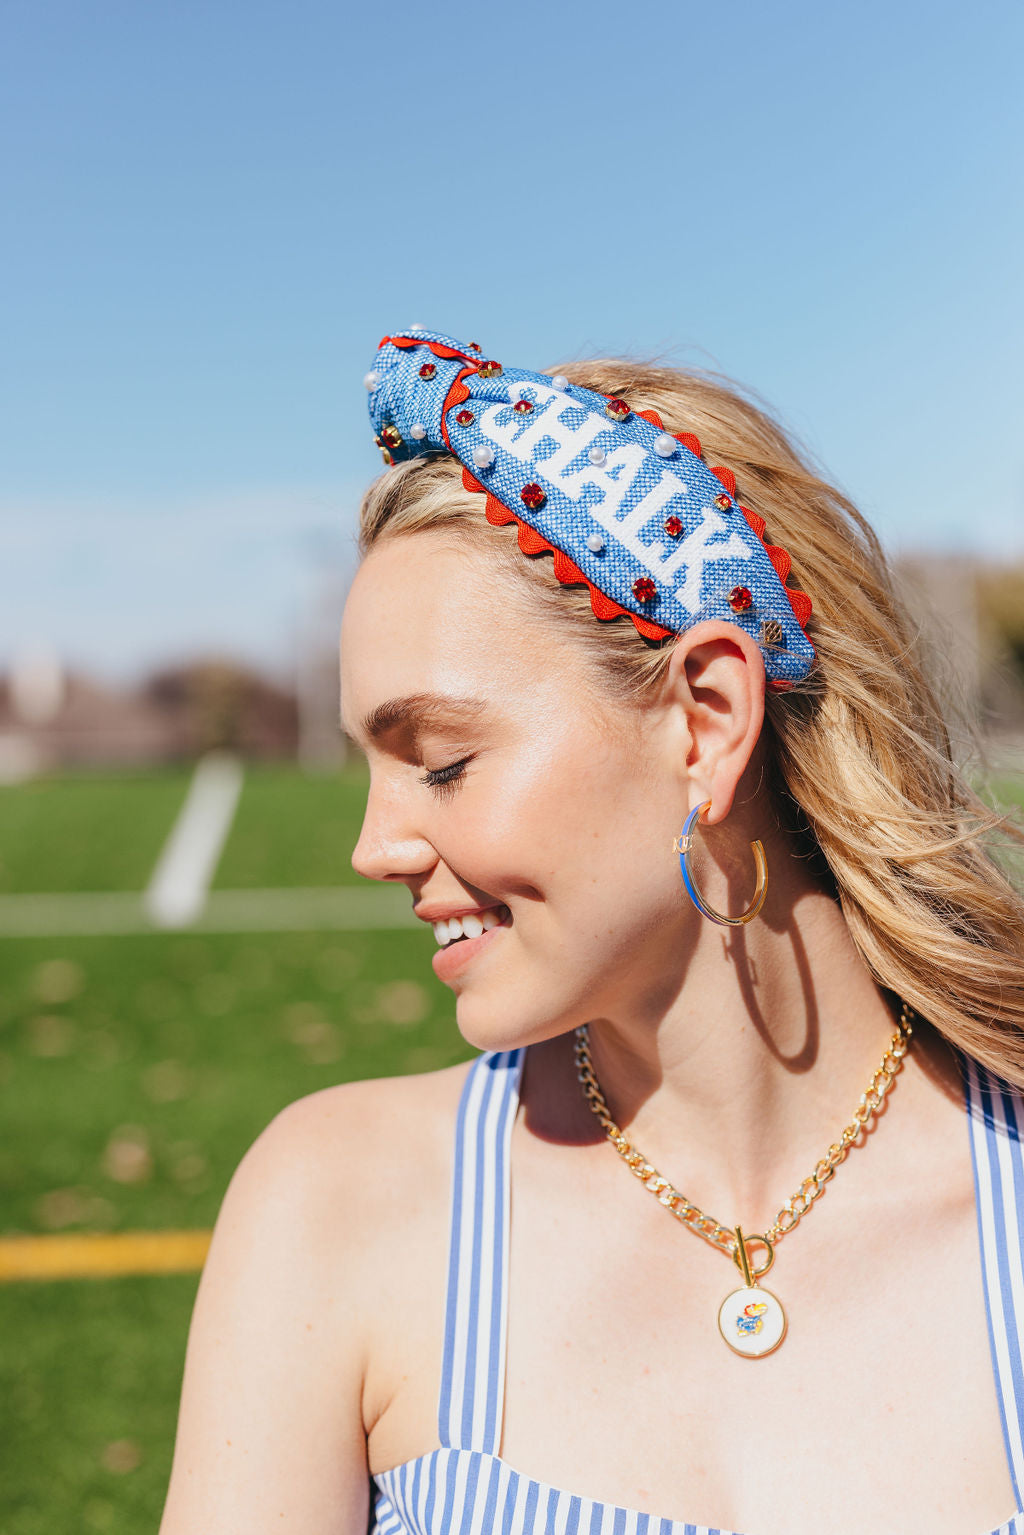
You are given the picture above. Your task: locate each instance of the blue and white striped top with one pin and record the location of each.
(465, 1488)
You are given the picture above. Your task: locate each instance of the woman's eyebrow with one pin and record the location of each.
(419, 709)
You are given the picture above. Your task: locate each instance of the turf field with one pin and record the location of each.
(135, 1070)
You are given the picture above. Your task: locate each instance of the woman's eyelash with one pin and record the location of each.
(444, 781)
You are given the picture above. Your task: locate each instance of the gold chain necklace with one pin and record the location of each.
(750, 1319)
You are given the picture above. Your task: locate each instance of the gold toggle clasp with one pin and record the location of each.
(741, 1257)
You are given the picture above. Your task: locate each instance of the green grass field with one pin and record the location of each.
(292, 830)
(135, 1072)
(88, 833)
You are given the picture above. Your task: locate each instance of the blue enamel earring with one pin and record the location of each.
(683, 844)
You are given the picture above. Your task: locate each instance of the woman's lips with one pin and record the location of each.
(451, 961)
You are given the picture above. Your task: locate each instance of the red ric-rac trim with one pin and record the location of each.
(437, 347)
(457, 392)
(569, 574)
(781, 562)
(687, 439)
(532, 542)
(498, 514)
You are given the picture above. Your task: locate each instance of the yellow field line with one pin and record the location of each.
(94, 1255)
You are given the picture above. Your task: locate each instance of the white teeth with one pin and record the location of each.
(473, 925)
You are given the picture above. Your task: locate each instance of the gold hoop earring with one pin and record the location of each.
(683, 844)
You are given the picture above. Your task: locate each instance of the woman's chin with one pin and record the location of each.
(507, 1020)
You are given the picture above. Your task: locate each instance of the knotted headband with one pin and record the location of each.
(627, 509)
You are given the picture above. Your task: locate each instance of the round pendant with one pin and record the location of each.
(752, 1321)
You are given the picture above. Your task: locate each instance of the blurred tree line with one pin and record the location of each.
(1000, 601)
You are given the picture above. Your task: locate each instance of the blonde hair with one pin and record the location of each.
(861, 767)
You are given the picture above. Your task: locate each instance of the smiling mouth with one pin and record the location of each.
(471, 925)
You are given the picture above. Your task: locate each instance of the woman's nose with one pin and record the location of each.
(388, 846)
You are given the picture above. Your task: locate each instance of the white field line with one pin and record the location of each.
(352, 908)
(301, 910)
(177, 890)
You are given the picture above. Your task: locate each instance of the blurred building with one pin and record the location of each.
(173, 715)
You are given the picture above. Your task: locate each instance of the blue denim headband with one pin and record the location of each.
(625, 507)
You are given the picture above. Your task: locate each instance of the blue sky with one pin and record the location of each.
(214, 210)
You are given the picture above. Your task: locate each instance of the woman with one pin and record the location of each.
(567, 643)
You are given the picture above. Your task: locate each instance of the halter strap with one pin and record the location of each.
(995, 1112)
(469, 1412)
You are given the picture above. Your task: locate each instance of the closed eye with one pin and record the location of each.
(444, 781)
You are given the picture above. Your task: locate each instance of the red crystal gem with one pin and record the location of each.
(740, 599)
(644, 589)
(617, 409)
(523, 407)
(428, 370)
(489, 369)
(465, 418)
(474, 346)
(532, 496)
(722, 501)
(392, 437)
(673, 526)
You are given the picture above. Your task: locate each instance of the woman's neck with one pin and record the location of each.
(739, 1086)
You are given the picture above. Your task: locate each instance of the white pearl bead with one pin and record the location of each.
(417, 327)
(597, 456)
(560, 382)
(418, 431)
(595, 543)
(371, 380)
(483, 456)
(665, 445)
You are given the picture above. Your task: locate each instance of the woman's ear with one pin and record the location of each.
(716, 679)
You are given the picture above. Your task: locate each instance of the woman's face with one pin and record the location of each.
(505, 782)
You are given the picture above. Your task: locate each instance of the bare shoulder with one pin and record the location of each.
(345, 1158)
(308, 1255)
(366, 1127)
(345, 1174)
(370, 1102)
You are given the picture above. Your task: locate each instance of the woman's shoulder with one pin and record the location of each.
(335, 1192)
(373, 1157)
(306, 1269)
(353, 1139)
(367, 1101)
